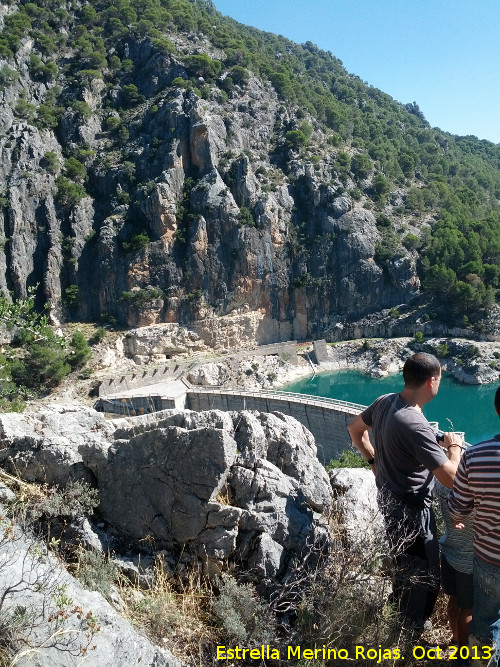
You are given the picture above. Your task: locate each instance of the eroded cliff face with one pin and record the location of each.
(198, 214)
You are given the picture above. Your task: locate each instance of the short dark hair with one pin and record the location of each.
(419, 368)
(497, 401)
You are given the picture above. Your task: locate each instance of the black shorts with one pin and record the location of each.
(457, 584)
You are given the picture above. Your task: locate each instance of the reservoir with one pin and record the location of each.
(468, 407)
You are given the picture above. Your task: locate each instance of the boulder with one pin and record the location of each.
(161, 339)
(357, 510)
(66, 624)
(209, 484)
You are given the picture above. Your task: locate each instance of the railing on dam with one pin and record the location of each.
(313, 400)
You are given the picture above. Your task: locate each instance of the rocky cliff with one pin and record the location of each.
(174, 166)
(146, 202)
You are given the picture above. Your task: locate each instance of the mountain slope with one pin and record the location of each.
(161, 162)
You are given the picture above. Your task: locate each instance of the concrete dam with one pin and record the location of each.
(326, 418)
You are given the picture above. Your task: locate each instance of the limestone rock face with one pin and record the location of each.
(356, 503)
(161, 339)
(116, 642)
(218, 485)
(200, 224)
(209, 375)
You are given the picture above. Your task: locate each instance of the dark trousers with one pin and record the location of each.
(412, 535)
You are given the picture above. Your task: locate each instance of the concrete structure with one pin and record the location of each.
(320, 351)
(144, 400)
(286, 351)
(326, 418)
(137, 381)
(170, 373)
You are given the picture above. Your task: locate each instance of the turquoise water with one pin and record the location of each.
(469, 407)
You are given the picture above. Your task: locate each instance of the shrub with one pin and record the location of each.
(131, 95)
(179, 82)
(75, 170)
(472, 352)
(141, 296)
(136, 242)
(82, 109)
(112, 123)
(50, 162)
(348, 459)
(361, 165)
(244, 618)
(96, 571)
(411, 242)
(295, 139)
(49, 115)
(70, 296)
(343, 600)
(68, 193)
(7, 76)
(99, 335)
(245, 217)
(80, 351)
(442, 350)
(44, 365)
(419, 337)
(25, 110)
(75, 500)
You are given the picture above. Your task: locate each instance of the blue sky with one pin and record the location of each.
(442, 54)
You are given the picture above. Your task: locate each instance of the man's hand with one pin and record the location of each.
(453, 441)
(446, 473)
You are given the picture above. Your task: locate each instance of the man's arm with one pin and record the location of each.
(358, 431)
(446, 473)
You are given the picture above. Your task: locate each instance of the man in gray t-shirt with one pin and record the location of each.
(405, 458)
(405, 448)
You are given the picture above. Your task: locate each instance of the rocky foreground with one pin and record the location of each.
(183, 491)
(208, 490)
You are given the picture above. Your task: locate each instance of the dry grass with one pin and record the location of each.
(223, 497)
(341, 601)
(175, 616)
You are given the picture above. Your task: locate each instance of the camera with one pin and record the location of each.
(439, 436)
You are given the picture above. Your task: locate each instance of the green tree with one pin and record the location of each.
(50, 162)
(131, 95)
(82, 109)
(44, 364)
(245, 217)
(8, 76)
(240, 75)
(75, 170)
(361, 165)
(203, 65)
(295, 139)
(68, 193)
(70, 296)
(381, 185)
(80, 351)
(136, 242)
